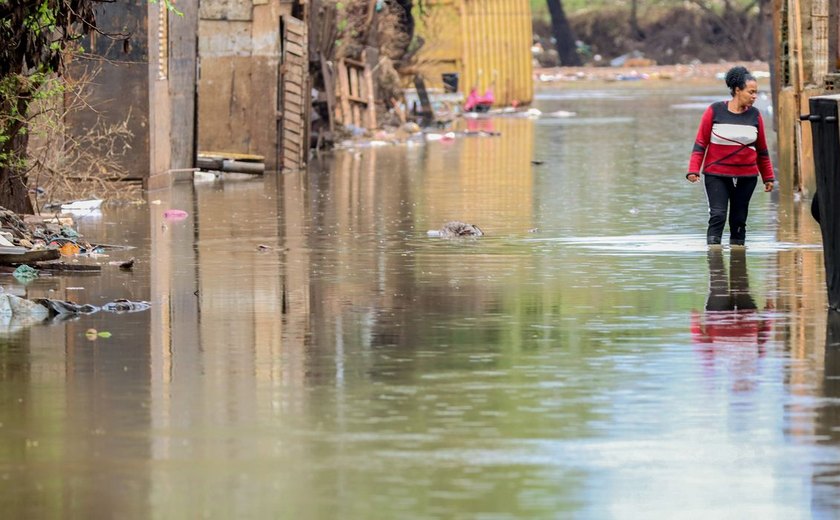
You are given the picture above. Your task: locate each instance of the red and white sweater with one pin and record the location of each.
(733, 145)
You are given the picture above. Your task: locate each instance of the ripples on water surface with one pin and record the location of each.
(581, 360)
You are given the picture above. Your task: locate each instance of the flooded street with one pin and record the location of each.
(578, 361)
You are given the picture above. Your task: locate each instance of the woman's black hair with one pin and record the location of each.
(737, 77)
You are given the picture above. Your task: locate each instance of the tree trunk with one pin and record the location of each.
(566, 48)
(14, 192)
(634, 20)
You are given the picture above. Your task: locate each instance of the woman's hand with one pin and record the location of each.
(768, 186)
(692, 177)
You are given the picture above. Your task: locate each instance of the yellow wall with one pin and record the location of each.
(485, 41)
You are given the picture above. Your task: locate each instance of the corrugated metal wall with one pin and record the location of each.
(485, 41)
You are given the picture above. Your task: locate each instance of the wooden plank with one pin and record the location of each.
(357, 99)
(294, 117)
(295, 27)
(354, 82)
(294, 98)
(292, 131)
(294, 85)
(293, 75)
(295, 49)
(354, 91)
(329, 87)
(343, 93)
(231, 155)
(293, 88)
(367, 76)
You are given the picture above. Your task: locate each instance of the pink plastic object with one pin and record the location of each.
(175, 214)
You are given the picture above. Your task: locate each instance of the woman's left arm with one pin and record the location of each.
(765, 167)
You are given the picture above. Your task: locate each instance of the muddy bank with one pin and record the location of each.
(679, 34)
(653, 75)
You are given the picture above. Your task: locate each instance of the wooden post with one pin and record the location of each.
(370, 95)
(344, 93)
(798, 87)
(354, 93)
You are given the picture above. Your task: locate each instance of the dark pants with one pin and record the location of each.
(727, 193)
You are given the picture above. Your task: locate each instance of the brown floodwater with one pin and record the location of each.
(311, 353)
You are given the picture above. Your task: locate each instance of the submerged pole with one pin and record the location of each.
(826, 143)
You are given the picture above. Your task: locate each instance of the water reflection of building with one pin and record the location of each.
(487, 181)
(229, 320)
(800, 297)
(826, 474)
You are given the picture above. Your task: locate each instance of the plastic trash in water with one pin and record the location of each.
(62, 307)
(93, 334)
(123, 305)
(21, 307)
(175, 214)
(24, 273)
(82, 205)
(67, 231)
(70, 249)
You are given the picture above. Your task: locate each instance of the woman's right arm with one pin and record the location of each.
(701, 142)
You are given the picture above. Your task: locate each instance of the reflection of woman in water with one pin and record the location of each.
(731, 315)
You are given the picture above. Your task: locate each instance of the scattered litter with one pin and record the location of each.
(24, 273)
(91, 334)
(175, 214)
(537, 162)
(123, 305)
(263, 247)
(70, 249)
(354, 130)
(53, 266)
(69, 232)
(62, 307)
(127, 265)
(201, 176)
(104, 334)
(81, 205)
(156, 202)
(22, 307)
(560, 113)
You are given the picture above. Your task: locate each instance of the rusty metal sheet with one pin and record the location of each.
(225, 10)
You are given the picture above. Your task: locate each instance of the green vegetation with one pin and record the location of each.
(36, 38)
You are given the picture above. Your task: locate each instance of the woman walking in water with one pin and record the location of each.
(731, 152)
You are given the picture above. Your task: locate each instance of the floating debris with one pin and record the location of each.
(122, 305)
(175, 214)
(82, 205)
(62, 307)
(456, 229)
(24, 273)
